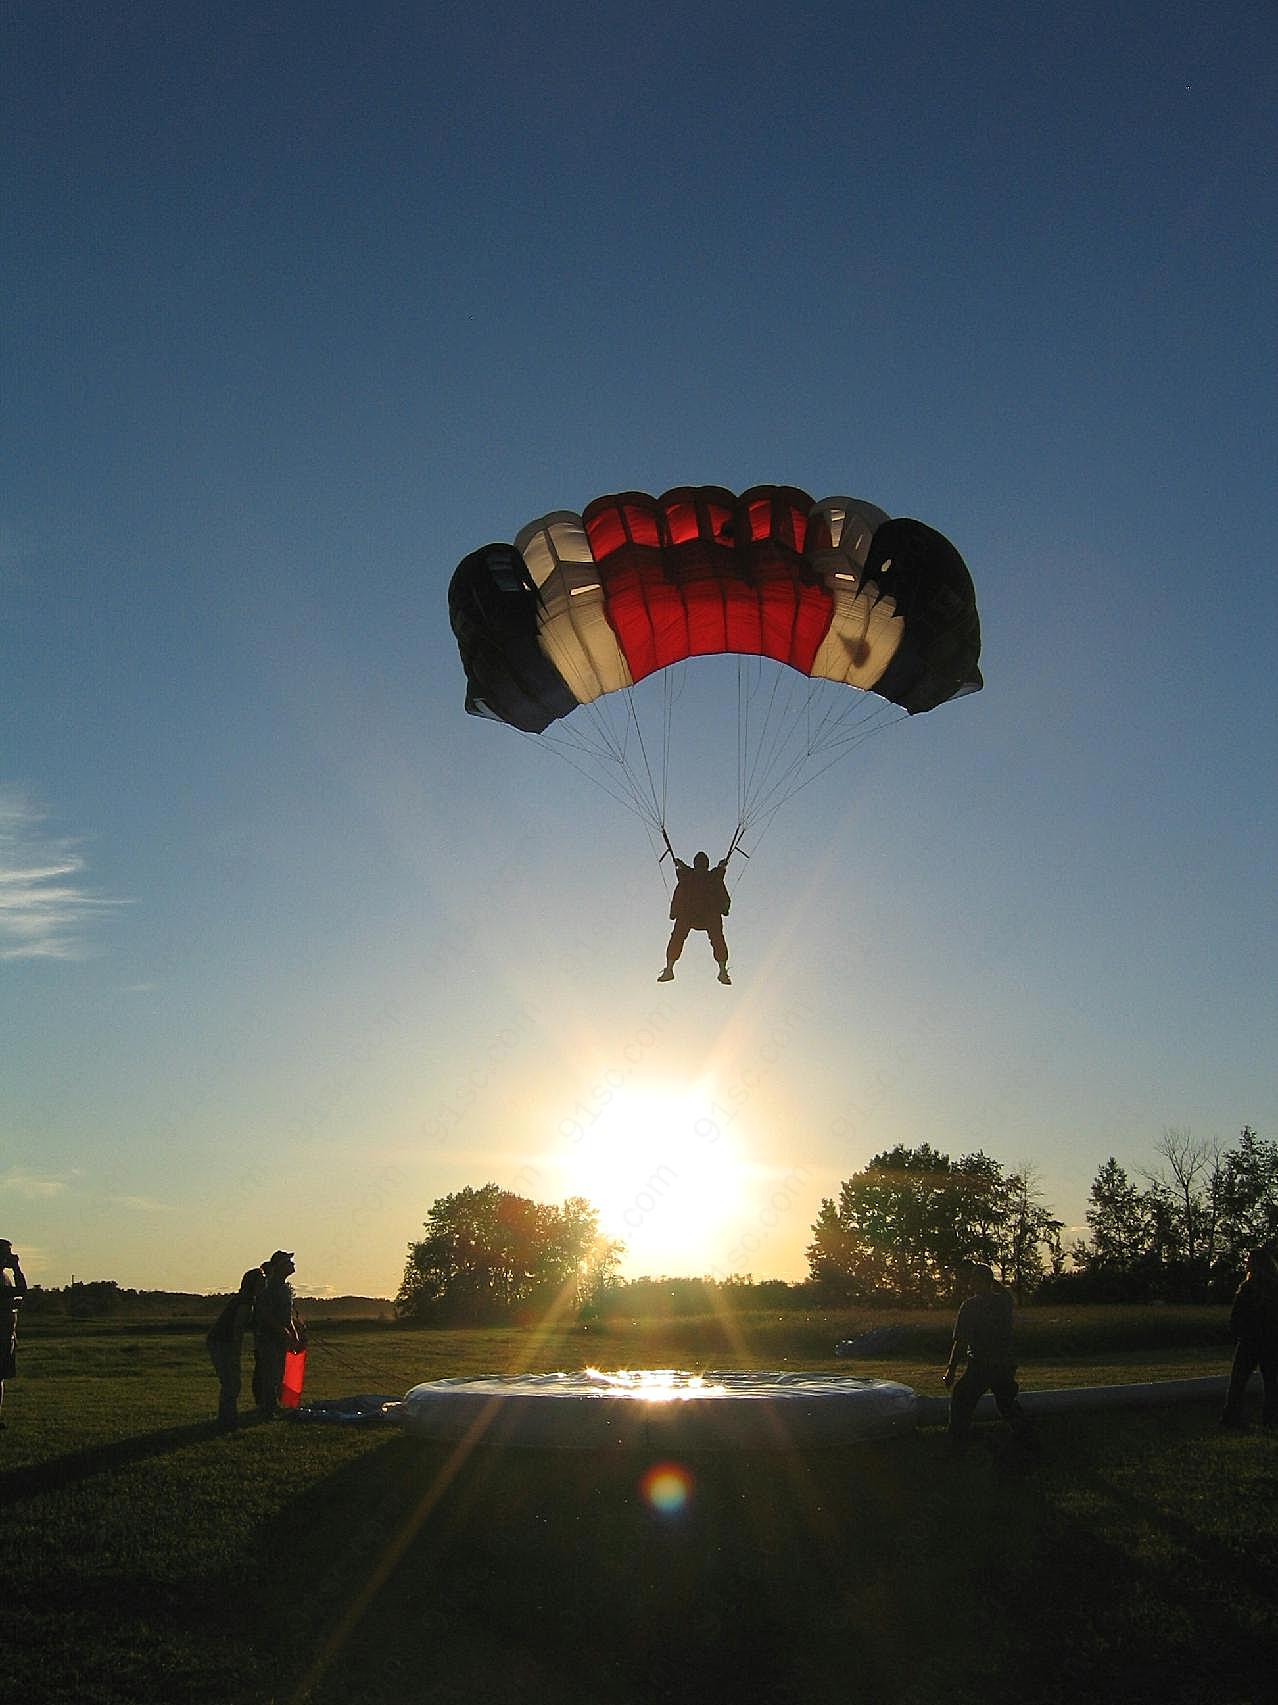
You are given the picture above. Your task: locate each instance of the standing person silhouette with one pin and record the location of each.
(13, 1287)
(225, 1341)
(700, 901)
(983, 1337)
(276, 1331)
(1253, 1320)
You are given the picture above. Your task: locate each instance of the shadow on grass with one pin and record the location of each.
(515, 1575)
(60, 1471)
(886, 1572)
(1134, 1596)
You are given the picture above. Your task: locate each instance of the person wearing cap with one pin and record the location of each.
(225, 1342)
(1253, 1320)
(983, 1335)
(276, 1331)
(13, 1287)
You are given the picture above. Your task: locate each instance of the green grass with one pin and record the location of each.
(150, 1559)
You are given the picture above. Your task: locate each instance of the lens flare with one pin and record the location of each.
(666, 1487)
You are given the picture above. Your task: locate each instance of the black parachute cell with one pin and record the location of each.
(932, 589)
(493, 607)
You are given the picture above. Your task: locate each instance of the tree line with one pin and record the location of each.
(104, 1299)
(490, 1256)
(900, 1229)
(897, 1233)
(1183, 1231)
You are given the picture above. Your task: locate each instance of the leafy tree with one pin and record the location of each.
(906, 1215)
(94, 1297)
(489, 1256)
(1031, 1235)
(902, 1226)
(829, 1256)
(982, 1203)
(1120, 1219)
(1248, 1196)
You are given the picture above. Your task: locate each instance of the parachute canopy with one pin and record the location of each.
(585, 605)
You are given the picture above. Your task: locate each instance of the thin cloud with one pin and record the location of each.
(142, 1204)
(32, 1185)
(45, 904)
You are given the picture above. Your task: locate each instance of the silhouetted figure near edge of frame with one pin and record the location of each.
(1253, 1320)
(13, 1287)
(983, 1334)
(700, 901)
(225, 1340)
(276, 1331)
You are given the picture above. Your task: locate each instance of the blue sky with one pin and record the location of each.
(304, 303)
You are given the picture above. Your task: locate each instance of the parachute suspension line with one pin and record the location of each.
(760, 744)
(748, 754)
(659, 853)
(776, 735)
(771, 805)
(618, 785)
(562, 749)
(605, 751)
(846, 709)
(775, 755)
(762, 737)
(613, 755)
(653, 806)
(643, 752)
(592, 711)
(845, 732)
(743, 730)
(667, 713)
(853, 733)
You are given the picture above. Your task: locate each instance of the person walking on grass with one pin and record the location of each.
(276, 1331)
(225, 1342)
(1253, 1320)
(13, 1287)
(983, 1336)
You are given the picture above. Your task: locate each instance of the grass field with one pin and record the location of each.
(148, 1558)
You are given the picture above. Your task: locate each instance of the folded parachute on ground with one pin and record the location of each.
(584, 605)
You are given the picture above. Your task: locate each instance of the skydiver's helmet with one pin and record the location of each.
(701, 862)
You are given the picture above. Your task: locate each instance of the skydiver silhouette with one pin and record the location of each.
(700, 901)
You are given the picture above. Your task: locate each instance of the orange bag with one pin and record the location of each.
(294, 1375)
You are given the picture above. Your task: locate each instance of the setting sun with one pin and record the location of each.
(665, 1172)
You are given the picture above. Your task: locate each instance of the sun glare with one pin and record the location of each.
(665, 1172)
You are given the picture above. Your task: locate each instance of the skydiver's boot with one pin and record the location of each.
(723, 974)
(666, 976)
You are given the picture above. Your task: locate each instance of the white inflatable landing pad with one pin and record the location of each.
(662, 1409)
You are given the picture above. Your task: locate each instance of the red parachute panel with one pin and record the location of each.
(700, 571)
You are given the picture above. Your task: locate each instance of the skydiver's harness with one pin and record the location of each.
(734, 847)
(721, 906)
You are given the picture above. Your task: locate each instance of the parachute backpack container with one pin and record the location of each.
(294, 1379)
(865, 617)
(664, 1410)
